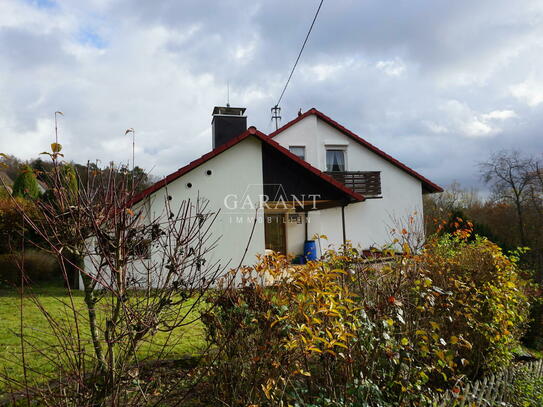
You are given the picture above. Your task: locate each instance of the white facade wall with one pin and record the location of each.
(368, 224)
(237, 171)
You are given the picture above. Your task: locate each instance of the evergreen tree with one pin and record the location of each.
(71, 180)
(26, 184)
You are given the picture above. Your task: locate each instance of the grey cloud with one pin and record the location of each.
(410, 76)
(24, 50)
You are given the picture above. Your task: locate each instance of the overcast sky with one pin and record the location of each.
(437, 84)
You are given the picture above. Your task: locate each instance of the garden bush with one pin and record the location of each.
(14, 232)
(39, 267)
(342, 331)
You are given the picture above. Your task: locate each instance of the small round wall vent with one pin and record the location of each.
(209, 172)
(189, 184)
(169, 197)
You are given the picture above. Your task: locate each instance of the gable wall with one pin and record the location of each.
(367, 223)
(233, 171)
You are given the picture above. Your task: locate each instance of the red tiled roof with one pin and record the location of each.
(251, 131)
(426, 183)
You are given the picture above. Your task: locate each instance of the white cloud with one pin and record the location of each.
(499, 115)
(324, 71)
(450, 80)
(29, 142)
(477, 128)
(470, 123)
(530, 91)
(245, 51)
(435, 127)
(394, 67)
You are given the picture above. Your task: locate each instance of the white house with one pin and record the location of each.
(311, 176)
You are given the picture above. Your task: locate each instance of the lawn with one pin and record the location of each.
(41, 344)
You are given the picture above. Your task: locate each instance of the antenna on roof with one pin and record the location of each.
(227, 93)
(276, 115)
(131, 130)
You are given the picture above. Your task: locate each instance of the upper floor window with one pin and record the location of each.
(335, 160)
(298, 151)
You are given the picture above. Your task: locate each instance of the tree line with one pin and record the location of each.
(27, 184)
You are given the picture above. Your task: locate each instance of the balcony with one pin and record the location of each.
(367, 183)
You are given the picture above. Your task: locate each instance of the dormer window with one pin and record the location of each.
(335, 160)
(298, 151)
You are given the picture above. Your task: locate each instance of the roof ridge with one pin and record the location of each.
(430, 186)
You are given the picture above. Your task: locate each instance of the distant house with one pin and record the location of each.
(8, 184)
(42, 186)
(312, 176)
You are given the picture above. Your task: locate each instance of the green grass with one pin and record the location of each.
(42, 351)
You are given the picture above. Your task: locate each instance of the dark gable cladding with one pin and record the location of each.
(284, 178)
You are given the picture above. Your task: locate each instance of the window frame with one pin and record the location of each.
(341, 148)
(298, 146)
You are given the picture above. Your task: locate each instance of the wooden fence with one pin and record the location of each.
(493, 390)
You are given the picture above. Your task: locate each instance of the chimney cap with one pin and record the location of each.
(228, 111)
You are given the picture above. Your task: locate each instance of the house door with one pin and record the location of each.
(275, 233)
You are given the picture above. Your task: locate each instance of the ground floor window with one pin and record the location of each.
(275, 233)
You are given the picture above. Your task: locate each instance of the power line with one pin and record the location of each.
(300, 54)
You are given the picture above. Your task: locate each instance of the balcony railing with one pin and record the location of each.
(367, 183)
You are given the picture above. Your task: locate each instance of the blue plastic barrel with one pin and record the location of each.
(310, 250)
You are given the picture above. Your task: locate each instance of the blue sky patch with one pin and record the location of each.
(90, 37)
(42, 3)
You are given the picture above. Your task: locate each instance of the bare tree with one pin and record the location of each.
(536, 186)
(510, 177)
(141, 274)
(536, 203)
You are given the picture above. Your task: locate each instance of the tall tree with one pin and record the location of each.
(510, 176)
(536, 187)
